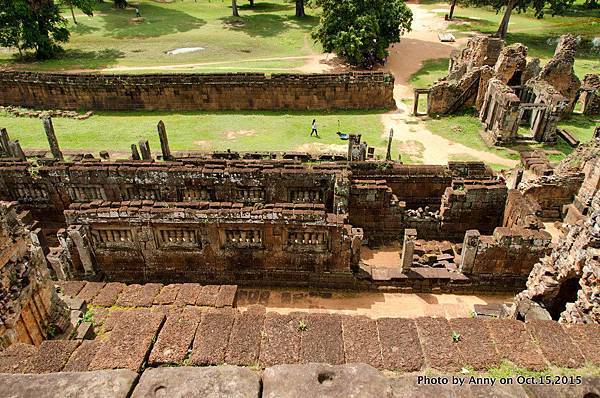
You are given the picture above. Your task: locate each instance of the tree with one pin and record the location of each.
(121, 3)
(86, 6)
(538, 6)
(234, 8)
(300, 9)
(452, 6)
(33, 25)
(362, 30)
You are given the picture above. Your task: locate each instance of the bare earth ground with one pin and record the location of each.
(406, 58)
(372, 304)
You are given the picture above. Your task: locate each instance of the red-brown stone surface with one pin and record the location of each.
(244, 342)
(52, 355)
(188, 294)
(400, 345)
(281, 341)
(90, 290)
(587, 338)
(322, 340)
(361, 341)
(129, 341)
(475, 343)
(556, 345)
(514, 343)
(167, 294)
(226, 296)
(83, 355)
(208, 295)
(70, 288)
(139, 295)
(439, 349)
(175, 338)
(107, 297)
(16, 358)
(212, 337)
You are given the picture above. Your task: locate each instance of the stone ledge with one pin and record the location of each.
(104, 383)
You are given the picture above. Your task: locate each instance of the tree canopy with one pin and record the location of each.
(35, 25)
(539, 7)
(362, 30)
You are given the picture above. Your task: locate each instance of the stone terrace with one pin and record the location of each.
(196, 325)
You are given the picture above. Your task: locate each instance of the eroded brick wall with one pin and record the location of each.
(27, 298)
(150, 241)
(235, 91)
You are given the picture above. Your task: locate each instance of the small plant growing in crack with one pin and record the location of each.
(455, 336)
(302, 326)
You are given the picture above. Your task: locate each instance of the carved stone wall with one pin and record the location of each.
(357, 90)
(209, 242)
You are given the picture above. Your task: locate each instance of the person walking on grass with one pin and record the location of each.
(314, 128)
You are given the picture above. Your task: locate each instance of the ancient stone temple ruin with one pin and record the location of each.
(30, 310)
(564, 285)
(510, 91)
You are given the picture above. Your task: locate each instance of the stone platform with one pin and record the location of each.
(283, 381)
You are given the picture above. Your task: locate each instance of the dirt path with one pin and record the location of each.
(406, 58)
(437, 150)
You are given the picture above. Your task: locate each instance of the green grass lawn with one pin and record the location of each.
(539, 35)
(432, 70)
(111, 38)
(239, 131)
(464, 128)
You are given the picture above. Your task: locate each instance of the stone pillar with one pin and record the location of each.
(597, 132)
(518, 178)
(408, 249)
(469, 251)
(164, 141)
(388, 154)
(52, 141)
(145, 150)
(416, 103)
(135, 155)
(60, 262)
(4, 139)
(83, 246)
(16, 151)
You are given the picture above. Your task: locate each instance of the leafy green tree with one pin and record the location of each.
(33, 25)
(362, 30)
(539, 7)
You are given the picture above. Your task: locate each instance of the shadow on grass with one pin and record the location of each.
(70, 59)
(266, 7)
(268, 25)
(156, 21)
(82, 29)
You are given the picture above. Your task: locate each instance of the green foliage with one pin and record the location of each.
(362, 30)
(35, 25)
(51, 331)
(302, 326)
(539, 7)
(455, 336)
(88, 317)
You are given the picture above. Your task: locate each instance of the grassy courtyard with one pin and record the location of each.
(240, 131)
(260, 40)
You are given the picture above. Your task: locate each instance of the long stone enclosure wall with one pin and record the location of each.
(234, 91)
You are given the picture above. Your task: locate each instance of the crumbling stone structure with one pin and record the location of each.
(232, 91)
(590, 94)
(30, 310)
(509, 91)
(564, 284)
(227, 218)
